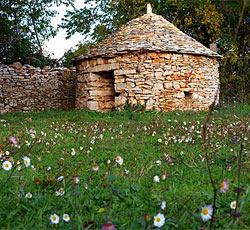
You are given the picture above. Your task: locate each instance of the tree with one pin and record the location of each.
(97, 19)
(25, 25)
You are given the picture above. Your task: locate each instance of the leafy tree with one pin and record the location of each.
(67, 59)
(25, 25)
(98, 19)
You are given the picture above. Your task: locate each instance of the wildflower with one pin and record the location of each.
(158, 163)
(7, 153)
(95, 168)
(73, 152)
(119, 160)
(224, 186)
(76, 180)
(66, 217)
(163, 177)
(233, 205)
(159, 220)
(86, 186)
(206, 212)
(159, 140)
(126, 171)
(60, 192)
(60, 178)
(7, 165)
(13, 140)
(109, 161)
(108, 226)
(156, 179)
(26, 161)
(163, 205)
(54, 219)
(29, 195)
(33, 136)
(168, 159)
(49, 168)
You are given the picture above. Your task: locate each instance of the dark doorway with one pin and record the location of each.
(105, 85)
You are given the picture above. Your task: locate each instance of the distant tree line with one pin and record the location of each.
(25, 24)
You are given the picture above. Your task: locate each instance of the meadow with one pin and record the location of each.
(125, 170)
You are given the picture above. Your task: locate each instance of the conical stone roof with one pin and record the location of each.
(149, 32)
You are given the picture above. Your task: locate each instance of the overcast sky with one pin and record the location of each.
(59, 45)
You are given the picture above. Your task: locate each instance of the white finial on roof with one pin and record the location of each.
(149, 9)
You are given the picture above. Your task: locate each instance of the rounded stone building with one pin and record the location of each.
(151, 62)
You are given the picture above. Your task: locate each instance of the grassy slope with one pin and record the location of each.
(126, 198)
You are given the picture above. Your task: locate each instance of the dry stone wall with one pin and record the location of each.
(26, 88)
(160, 81)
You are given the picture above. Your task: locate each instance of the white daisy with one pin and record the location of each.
(76, 180)
(206, 212)
(158, 163)
(156, 179)
(95, 168)
(73, 152)
(119, 160)
(66, 217)
(159, 220)
(26, 161)
(29, 195)
(54, 219)
(7, 165)
(60, 192)
(163, 205)
(60, 178)
(233, 205)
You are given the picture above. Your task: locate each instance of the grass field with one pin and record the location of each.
(119, 167)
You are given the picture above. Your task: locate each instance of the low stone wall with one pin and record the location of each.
(160, 81)
(26, 88)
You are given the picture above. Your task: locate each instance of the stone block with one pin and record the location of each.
(120, 87)
(104, 67)
(149, 104)
(92, 105)
(176, 85)
(130, 85)
(16, 65)
(158, 86)
(107, 92)
(120, 101)
(124, 71)
(168, 85)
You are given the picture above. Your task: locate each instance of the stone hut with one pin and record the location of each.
(151, 62)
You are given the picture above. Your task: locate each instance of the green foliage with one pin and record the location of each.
(199, 19)
(130, 199)
(25, 25)
(71, 53)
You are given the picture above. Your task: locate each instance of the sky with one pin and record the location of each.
(59, 45)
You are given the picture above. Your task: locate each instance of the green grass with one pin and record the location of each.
(129, 200)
